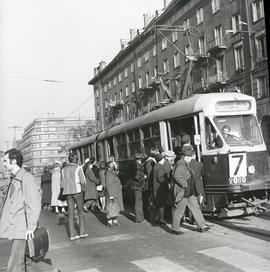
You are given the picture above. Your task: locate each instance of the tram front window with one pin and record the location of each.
(239, 129)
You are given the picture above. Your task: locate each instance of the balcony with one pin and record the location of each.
(218, 80)
(216, 46)
(116, 105)
(200, 85)
(201, 56)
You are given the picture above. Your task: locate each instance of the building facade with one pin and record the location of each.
(192, 46)
(44, 140)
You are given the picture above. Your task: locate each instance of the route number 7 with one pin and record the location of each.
(238, 165)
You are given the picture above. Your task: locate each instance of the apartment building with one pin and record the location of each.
(44, 140)
(192, 46)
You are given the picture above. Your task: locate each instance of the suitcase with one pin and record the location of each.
(37, 248)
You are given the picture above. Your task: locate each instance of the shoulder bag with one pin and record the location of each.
(36, 248)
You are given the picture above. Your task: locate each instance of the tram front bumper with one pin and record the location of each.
(255, 185)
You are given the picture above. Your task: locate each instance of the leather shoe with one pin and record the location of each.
(176, 232)
(203, 229)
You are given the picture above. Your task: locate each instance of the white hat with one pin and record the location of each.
(168, 153)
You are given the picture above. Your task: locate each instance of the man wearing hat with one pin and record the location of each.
(185, 192)
(138, 186)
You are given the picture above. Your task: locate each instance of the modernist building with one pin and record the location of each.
(192, 46)
(44, 140)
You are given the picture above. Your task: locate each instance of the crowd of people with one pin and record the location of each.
(162, 181)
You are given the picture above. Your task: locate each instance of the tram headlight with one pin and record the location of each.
(251, 169)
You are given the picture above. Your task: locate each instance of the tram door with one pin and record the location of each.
(180, 127)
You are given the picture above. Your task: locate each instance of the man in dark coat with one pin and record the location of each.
(148, 195)
(161, 179)
(138, 185)
(185, 192)
(91, 194)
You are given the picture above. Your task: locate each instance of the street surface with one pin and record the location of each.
(231, 245)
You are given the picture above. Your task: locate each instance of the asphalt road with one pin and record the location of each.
(143, 247)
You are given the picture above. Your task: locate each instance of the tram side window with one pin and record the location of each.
(85, 152)
(110, 144)
(151, 137)
(121, 145)
(213, 140)
(179, 128)
(100, 152)
(134, 142)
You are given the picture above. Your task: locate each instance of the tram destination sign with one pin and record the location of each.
(228, 106)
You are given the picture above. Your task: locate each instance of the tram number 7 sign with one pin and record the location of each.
(238, 167)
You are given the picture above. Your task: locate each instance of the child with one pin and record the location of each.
(112, 212)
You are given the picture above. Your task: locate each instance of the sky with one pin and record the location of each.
(48, 51)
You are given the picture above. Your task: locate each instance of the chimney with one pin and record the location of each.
(147, 18)
(165, 3)
(95, 71)
(102, 65)
(132, 33)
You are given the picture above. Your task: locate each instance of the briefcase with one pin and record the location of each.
(37, 248)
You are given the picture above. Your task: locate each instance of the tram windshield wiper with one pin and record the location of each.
(236, 135)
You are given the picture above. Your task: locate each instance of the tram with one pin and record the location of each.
(227, 138)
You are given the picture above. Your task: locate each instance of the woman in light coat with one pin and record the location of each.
(56, 179)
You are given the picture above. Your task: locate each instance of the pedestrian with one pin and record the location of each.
(185, 193)
(148, 195)
(73, 183)
(101, 192)
(21, 209)
(4, 181)
(46, 180)
(114, 197)
(161, 179)
(138, 185)
(91, 194)
(55, 187)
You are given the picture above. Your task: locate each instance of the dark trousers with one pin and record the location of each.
(139, 215)
(71, 200)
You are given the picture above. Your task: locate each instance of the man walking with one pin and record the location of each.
(21, 209)
(185, 193)
(73, 184)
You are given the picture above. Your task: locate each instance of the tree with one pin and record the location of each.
(86, 130)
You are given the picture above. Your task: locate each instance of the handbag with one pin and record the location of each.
(36, 248)
(61, 197)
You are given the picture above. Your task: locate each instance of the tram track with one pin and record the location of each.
(255, 225)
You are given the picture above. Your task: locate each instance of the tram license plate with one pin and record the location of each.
(237, 180)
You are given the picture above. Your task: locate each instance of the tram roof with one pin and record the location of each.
(193, 104)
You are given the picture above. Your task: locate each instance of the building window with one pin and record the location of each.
(164, 43)
(186, 22)
(199, 15)
(126, 90)
(139, 82)
(105, 88)
(126, 72)
(257, 10)
(127, 112)
(114, 81)
(133, 87)
(261, 51)
(147, 77)
(174, 36)
(220, 66)
(176, 60)
(132, 67)
(239, 56)
(202, 47)
(106, 104)
(188, 52)
(215, 5)
(139, 61)
(236, 26)
(155, 72)
(146, 56)
(218, 35)
(36, 137)
(120, 77)
(261, 87)
(165, 66)
(110, 85)
(154, 50)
